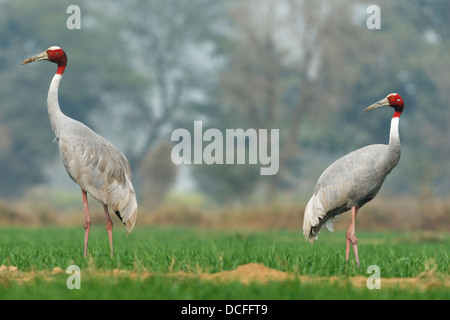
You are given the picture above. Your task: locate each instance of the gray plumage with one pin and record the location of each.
(100, 169)
(350, 181)
(93, 162)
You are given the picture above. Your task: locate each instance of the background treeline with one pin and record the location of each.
(139, 69)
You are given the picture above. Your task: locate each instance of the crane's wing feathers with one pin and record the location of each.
(100, 169)
(352, 180)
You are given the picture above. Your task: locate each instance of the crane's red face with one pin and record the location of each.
(396, 102)
(57, 55)
(54, 54)
(393, 100)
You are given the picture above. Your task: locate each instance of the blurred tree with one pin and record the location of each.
(309, 68)
(171, 45)
(276, 73)
(29, 28)
(138, 69)
(225, 184)
(160, 174)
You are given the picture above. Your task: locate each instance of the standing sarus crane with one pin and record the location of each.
(353, 180)
(98, 167)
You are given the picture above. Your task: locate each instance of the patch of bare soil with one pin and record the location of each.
(246, 274)
(254, 272)
(12, 273)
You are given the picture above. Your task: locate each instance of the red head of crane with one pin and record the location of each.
(353, 180)
(93, 162)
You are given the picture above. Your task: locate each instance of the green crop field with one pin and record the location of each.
(182, 263)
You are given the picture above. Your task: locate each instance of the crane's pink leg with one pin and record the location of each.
(109, 229)
(87, 221)
(351, 238)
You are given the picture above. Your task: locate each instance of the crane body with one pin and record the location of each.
(353, 180)
(94, 163)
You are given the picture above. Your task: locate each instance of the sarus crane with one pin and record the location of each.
(353, 180)
(93, 162)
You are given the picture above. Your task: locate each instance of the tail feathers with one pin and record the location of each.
(129, 224)
(313, 212)
(126, 210)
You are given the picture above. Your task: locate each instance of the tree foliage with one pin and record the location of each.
(139, 69)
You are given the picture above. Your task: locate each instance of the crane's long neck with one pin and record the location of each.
(57, 118)
(394, 140)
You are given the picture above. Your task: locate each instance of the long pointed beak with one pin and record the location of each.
(40, 56)
(381, 103)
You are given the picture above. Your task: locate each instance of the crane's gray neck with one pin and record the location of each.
(394, 141)
(57, 118)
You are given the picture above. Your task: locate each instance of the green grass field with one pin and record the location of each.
(170, 263)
